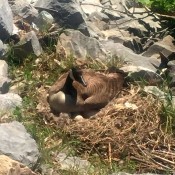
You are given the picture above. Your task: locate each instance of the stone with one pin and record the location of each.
(9, 166)
(4, 84)
(29, 44)
(3, 49)
(91, 6)
(44, 21)
(118, 36)
(98, 15)
(94, 30)
(128, 56)
(3, 68)
(164, 46)
(141, 13)
(130, 25)
(4, 80)
(134, 44)
(67, 13)
(25, 10)
(18, 144)
(136, 65)
(113, 15)
(105, 3)
(6, 20)
(155, 91)
(81, 46)
(73, 163)
(140, 73)
(9, 102)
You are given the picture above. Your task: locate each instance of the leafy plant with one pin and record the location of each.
(160, 6)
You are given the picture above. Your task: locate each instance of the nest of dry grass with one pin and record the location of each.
(129, 128)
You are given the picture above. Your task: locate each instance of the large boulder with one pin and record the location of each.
(81, 46)
(18, 144)
(9, 166)
(6, 20)
(67, 13)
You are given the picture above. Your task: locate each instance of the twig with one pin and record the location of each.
(166, 160)
(110, 155)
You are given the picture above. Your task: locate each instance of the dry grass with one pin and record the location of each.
(128, 128)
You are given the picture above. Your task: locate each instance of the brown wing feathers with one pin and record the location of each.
(100, 88)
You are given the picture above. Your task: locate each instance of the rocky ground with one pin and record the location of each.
(39, 40)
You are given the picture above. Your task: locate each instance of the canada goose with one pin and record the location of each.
(84, 90)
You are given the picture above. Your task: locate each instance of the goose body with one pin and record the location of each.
(94, 93)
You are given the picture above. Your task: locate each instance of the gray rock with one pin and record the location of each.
(67, 13)
(134, 44)
(4, 84)
(137, 66)
(155, 91)
(9, 102)
(44, 21)
(25, 10)
(128, 56)
(118, 36)
(131, 25)
(3, 68)
(6, 20)
(91, 6)
(165, 46)
(98, 15)
(140, 73)
(73, 163)
(94, 30)
(28, 45)
(18, 144)
(81, 46)
(3, 49)
(105, 3)
(167, 99)
(4, 80)
(113, 15)
(141, 13)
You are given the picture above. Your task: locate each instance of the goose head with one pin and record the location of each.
(75, 74)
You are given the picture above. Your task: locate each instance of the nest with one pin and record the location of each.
(128, 128)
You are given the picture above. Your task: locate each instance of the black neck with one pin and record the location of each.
(68, 87)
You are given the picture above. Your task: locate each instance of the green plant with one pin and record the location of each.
(160, 6)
